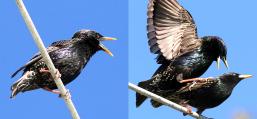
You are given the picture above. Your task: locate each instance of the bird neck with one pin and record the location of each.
(227, 85)
(86, 50)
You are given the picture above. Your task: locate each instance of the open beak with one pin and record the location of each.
(218, 62)
(103, 47)
(224, 60)
(106, 38)
(245, 76)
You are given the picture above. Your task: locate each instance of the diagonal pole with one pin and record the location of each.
(163, 100)
(65, 94)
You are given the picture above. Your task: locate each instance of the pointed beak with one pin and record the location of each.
(218, 62)
(106, 38)
(244, 76)
(103, 47)
(225, 62)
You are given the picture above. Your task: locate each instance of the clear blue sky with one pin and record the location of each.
(234, 21)
(101, 89)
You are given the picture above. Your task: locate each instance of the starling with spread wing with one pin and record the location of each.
(68, 56)
(172, 35)
(205, 92)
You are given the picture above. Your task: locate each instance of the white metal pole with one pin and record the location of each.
(161, 100)
(65, 94)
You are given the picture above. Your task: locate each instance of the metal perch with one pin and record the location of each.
(164, 101)
(65, 94)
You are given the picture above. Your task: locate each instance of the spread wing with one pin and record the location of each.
(171, 29)
(54, 46)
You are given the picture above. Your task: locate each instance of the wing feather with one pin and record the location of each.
(54, 46)
(171, 29)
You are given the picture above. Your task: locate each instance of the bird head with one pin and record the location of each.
(233, 78)
(94, 39)
(218, 49)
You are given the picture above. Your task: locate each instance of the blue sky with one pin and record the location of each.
(234, 21)
(101, 89)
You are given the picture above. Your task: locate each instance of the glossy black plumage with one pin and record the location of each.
(182, 54)
(205, 93)
(68, 56)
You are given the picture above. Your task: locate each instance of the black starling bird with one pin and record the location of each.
(182, 54)
(68, 56)
(204, 93)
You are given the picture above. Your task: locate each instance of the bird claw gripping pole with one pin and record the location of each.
(65, 94)
(164, 101)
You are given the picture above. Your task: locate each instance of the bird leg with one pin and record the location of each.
(44, 70)
(191, 86)
(189, 108)
(52, 91)
(57, 73)
(66, 95)
(193, 80)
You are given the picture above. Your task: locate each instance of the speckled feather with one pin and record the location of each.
(205, 94)
(173, 36)
(68, 56)
(189, 65)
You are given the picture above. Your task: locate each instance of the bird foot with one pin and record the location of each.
(52, 91)
(189, 110)
(57, 73)
(66, 96)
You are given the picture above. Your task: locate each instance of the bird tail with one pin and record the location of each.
(17, 87)
(22, 85)
(156, 104)
(140, 98)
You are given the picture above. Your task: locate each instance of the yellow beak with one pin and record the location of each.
(103, 47)
(106, 38)
(218, 62)
(245, 76)
(225, 62)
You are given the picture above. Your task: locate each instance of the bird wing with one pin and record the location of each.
(171, 29)
(54, 46)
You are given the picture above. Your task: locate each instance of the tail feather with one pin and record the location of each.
(25, 83)
(156, 104)
(17, 87)
(140, 98)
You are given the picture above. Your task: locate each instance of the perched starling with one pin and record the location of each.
(182, 54)
(68, 56)
(204, 93)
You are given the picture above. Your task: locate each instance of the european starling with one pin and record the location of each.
(68, 56)
(182, 54)
(204, 93)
